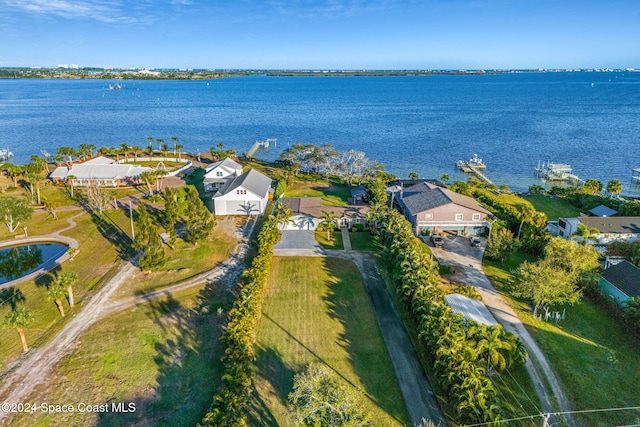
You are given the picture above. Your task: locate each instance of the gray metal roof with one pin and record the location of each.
(424, 196)
(602, 211)
(624, 276)
(470, 308)
(251, 180)
(615, 224)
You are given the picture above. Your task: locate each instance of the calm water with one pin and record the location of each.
(18, 261)
(424, 124)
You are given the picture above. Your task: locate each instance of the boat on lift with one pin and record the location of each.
(5, 154)
(115, 86)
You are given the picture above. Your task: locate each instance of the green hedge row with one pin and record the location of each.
(461, 352)
(228, 407)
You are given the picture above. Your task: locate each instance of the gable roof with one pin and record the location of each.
(312, 206)
(425, 196)
(602, 211)
(615, 224)
(252, 181)
(624, 276)
(227, 164)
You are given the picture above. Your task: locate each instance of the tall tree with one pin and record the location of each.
(544, 285)
(154, 256)
(320, 399)
(592, 186)
(98, 199)
(614, 186)
(501, 244)
(171, 213)
(66, 280)
(444, 178)
(200, 221)
(329, 221)
(57, 293)
(19, 319)
(67, 153)
(174, 139)
(13, 210)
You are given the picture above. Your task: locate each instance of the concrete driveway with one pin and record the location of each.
(464, 260)
(298, 243)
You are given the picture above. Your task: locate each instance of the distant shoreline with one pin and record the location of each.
(201, 74)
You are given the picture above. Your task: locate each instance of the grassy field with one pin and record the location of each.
(334, 243)
(362, 241)
(553, 207)
(162, 355)
(332, 192)
(317, 310)
(589, 347)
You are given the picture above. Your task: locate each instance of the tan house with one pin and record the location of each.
(307, 213)
(434, 209)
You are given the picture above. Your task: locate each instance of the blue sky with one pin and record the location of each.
(321, 34)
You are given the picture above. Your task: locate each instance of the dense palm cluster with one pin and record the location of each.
(228, 408)
(463, 353)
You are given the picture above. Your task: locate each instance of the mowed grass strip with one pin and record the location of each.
(162, 355)
(317, 310)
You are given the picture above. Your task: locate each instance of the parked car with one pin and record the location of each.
(437, 240)
(474, 240)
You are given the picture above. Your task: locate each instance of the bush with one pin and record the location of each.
(357, 227)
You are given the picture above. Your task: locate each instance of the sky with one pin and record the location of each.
(321, 34)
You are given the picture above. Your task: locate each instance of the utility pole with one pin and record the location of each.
(545, 420)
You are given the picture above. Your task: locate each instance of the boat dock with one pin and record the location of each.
(5, 154)
(557, 172)
(260, 144)
(474, 166)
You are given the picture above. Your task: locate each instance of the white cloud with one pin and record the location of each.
(99, 10)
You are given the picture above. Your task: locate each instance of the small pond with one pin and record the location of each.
(19, 261)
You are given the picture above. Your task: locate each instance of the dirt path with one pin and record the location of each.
(467, 264)
(34, 368)
(419, 399)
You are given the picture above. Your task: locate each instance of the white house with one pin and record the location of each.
(219, 173)
(307, 213)
(99, 171)
(610, 229)
(244, 194)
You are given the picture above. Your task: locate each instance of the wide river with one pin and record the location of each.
(590, 121)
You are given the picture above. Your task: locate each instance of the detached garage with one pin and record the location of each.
(247, 194)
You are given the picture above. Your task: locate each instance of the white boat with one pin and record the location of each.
(5, 154)
(115, 86)
(476, 162)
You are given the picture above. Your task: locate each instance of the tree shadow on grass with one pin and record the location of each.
(275, 375)
(349, 303)
(187, 358)
(111, 231)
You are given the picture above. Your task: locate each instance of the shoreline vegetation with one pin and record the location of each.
(204, 74)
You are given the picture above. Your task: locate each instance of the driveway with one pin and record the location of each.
(298, 243)
(466, 264)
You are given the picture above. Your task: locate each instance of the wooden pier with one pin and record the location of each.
(468, 167)
(260, 144)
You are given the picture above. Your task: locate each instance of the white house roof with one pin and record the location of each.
(228, 164)
(252, 181)
(470, 308)
(89, 171)
(99, 160)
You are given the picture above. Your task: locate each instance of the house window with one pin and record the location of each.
(459, 217)
(428, 216)
(476, 217)
(241, 191)
(218, 173)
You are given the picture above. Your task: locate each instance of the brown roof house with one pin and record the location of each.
(307, 213)
(434, 209)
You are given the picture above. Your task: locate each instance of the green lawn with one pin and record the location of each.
(588, 348)
(362, 241)
(553, 207)
(334, 243)
(317, 310)
(332, 192)
(162, 356)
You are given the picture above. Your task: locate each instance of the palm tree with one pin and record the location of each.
(57, 293)
(124, 147)
(329, 222)
(66, 280)
(175, 143)
(283, 216)
(135, 149)
(70, 179)
(614, 187)
(495, 348)
(585, 232)
(19, 318)
(165, 148)
(444, 178)
(413, 175)
(179, 147)
(149, 178)
(160, 141)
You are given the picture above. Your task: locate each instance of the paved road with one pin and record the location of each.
(466, 261)
(414, 386)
